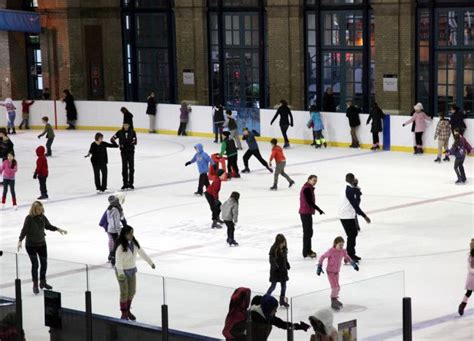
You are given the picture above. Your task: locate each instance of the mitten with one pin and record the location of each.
(321, 212)
(301, 326)
(355, 266)
(121, 277)
(319, 270)
(288, 266)
(187, 163)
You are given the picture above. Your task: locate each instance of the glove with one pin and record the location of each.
(321, 212)
(121, 277)
(187, 163)
(355, 266)
(288, 266)
(35, 175)
(301, 326)
(403, 124)
(319, 270)
(153, 266)
(39, 136)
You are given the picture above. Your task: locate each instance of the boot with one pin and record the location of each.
(124, 310)
(461, 308)
(234, 243)
(44, 285)
(374, 147)
(334, 304)
(446, 158)
(291, 183)
(438, 159)
(220, 221)
(35, 287)
(420, 150)
(273, 188)
(215, 225)
(339, 302)
(270, 169)
(130, 315)
(312, 254)
(415, 150)
(14, 131)
(283, 302)
(246, 170)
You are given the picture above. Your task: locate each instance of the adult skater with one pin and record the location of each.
(280, 160)
(127, 117)
(348, 211)
(202, 160)
(71, 112)
(184, 112)
(99, 160)
(218, 120)
(212, 197)
(322, 322)
(127, 142)
(249, 137)
(230, 215)
(307, 209)
(11, 115)
(34, 231)
(469, 280)
(352, 113)
(229, 149)
(456, 119)
(236, 319)
(126, 251)
(233, 129)
(419, 117)
(286, 120)
(376, 116)
(151, 112)
(279, 267)
(25, 113)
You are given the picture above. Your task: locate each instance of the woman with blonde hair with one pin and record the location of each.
(33, 230)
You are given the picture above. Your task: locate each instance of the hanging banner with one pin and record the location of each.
(19, 21)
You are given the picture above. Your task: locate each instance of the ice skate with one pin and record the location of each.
(338, 302)
(270, 169)
(246, 170)
(197, 193)
(131, 187)
(335, 305)
(44, 285)
(446, 158)
(325, 144)
(273, 188)
(461, 308)
(124, 188)
(215, 225)
(234, 243)
(438, 159)
(220, 221)
(291, 184)
(35, 288)
(459, 182)
(312, 254)
(283, 302)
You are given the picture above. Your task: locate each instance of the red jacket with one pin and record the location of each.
(215, 188)
(277, 154)
(25, 106)
(41, 162)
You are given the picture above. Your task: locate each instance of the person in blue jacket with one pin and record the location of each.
(317, 124)
(203, 160)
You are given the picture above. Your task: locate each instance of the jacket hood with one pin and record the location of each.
(198, 148)
(40, 151)
(8, 101)
(326, 317)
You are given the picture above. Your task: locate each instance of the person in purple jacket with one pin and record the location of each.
(334, 256)
(459, 150)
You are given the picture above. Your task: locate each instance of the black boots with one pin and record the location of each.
(283, 302)
(44, 285)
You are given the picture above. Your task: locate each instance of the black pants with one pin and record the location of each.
(98, 169)
(34, 252)
(307, 221)
(284, 129)
(419, 139)
(49, 143)
(230, 229)
(375, 138)
(42, 183)
(9, 183)
(232, 164)
(218, 131)
(459, 169)
(182, 128)
(128, 168)
(203, 181)
(248, 154)
(350, 226)
(215, 206)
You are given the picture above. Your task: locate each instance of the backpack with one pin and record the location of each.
(103, 221)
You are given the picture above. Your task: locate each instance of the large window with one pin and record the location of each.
(34, 70)
(445, 55)
(148, 50)
(340, 48)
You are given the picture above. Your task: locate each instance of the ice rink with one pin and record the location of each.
(416, 246)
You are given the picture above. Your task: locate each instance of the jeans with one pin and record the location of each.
(280, 169)
(49, 143)
(218, 126)
(203, 181)
(273, 287)
(350, 226)
(100, 169)
(128, 168)
(9, 183)
(459, 169)
(307, 221)
(248, 154)
(42, 183)
(284, 129)
(11, 119)
(34, 252)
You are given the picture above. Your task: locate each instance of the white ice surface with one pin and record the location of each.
(422, 225)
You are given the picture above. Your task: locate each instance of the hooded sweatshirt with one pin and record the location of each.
(7, 170)
(202, 159)
(235, 321)
(327, 318)
(41, 162)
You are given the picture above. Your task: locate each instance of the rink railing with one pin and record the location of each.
(189, 306)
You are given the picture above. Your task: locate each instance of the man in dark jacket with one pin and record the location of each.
(457, 119)
(286, 120)
(99, 160)
(352, 113)
(249, 136)
(218, 119)
(127, 142)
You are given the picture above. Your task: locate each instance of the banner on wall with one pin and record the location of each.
(347, 331)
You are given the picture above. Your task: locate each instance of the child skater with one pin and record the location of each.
(277, 154)
(8, 168)
(41, 172)
(202, 160)
(11, 114)
(443, 132)
(334, 256)
(229, 148)
(212, 197)
(99, 160)
(420, 118)
(115, 222)
(279, 267)
(230, 214)
(469, 280)
(459, 150)
(318, 127)
(49, 132)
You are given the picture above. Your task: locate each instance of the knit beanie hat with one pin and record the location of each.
(418, 107)
(268, 304)
(113, 200)
(220, 172)
(472, 244)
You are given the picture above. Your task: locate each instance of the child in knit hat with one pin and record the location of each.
(115, 222)
(322, 323)
(469, 280)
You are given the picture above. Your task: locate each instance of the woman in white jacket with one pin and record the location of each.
(127, 249)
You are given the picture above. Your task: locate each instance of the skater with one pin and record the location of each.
(126, 251)
(49, 132)
(443, 132)
(236, 319)
(279, 267)
(202, 160)
(115, 222)
(307, 209)
(212, 197)
(348, 211)
(286, 120)
(457, 119)
(11, 114)
(71, 112)
(249, 136)
(34, 231)
(352, 113)
(233, 129)
(459, 150)
(185, 110)
(262, 315)
(127, 117)
(151, 112)
(25, 113)
(8, 169)
(322, 322)
(127, 142)
(6, 145)
(218, 120)
(279, 157)
(317, 125)
(230, 215)
(469, 280)
(41, 172)
(420, 118)
(329, 102)
(99, 160)
(335, 255)
(376, 116)
(46, 94)
(229, 149)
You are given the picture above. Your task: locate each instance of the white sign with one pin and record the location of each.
(188, 77)
(390, 83)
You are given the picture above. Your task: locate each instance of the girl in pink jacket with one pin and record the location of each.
(420, 118)
(335, 256)
(9, 168)
(469, 280)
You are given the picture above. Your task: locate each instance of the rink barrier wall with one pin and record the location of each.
(106, 116)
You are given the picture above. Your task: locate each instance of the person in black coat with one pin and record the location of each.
(352, 113)
(71, 112)
(151, 111)
(127, 117)
(279, 267)
(457, 119)
(286, 120)
(218, 119)
(99, 160)
(376, 116)
(127, 142)
(329, 102)
(6, 145)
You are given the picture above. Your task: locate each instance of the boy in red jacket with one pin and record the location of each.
(277, 154)
(212, 196)
(41, 172)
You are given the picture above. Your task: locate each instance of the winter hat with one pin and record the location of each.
(113, 200)
(418, 107)
(268, 304)
(226, 133)
(324, 317)
(472, 244)
(8, 100)
(220, 172)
